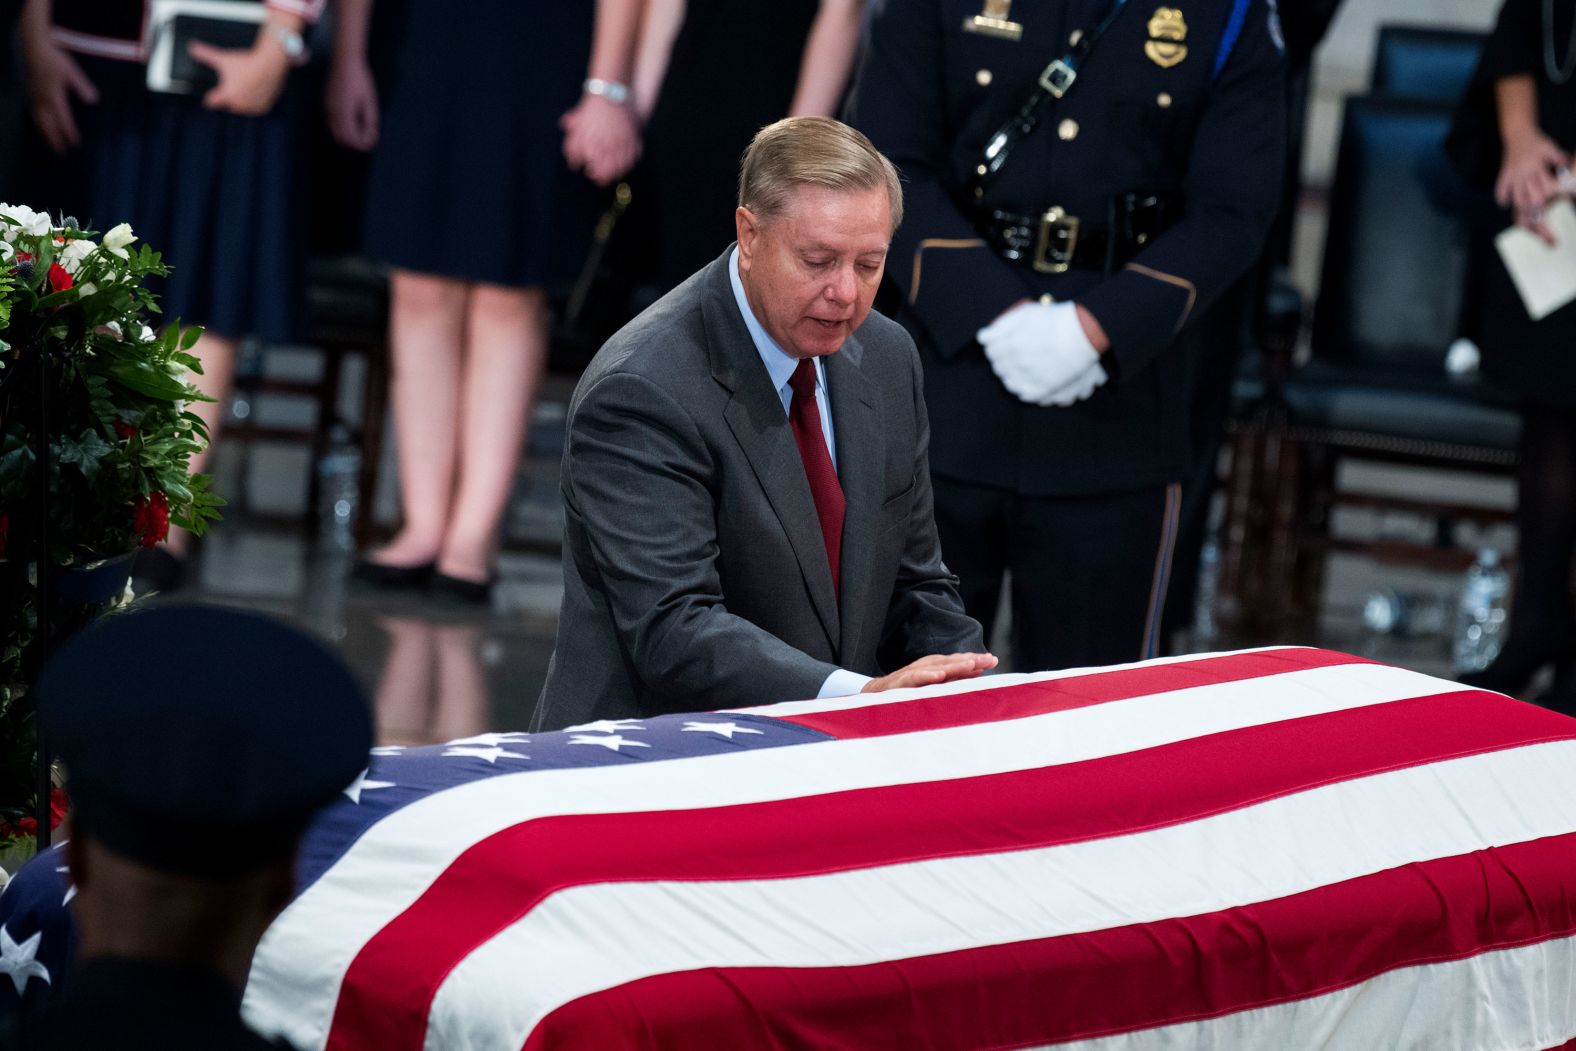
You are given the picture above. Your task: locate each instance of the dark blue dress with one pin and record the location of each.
(468, 178)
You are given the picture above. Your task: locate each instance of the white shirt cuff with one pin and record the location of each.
(842, 683)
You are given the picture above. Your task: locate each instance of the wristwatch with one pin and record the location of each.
(293, 43)
(611, 90)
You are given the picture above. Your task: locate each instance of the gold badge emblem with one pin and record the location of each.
(1167, 31)
(994, 20)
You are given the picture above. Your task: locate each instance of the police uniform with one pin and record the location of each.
(198, 742)
(1141, 194)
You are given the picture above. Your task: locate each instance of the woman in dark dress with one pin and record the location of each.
(1517, 127)
(712, 73)
(471, 203)
(211, 181)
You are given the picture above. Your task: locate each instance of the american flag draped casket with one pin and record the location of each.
(1279, 848)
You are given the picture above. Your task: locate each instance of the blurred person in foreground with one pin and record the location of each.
(746, 475)
(1515, 131)
(472, 200)
(191, 782)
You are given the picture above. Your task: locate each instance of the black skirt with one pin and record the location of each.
(222, 197)
(468, 178)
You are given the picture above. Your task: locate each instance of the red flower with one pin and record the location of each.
(59, 278)
(124, 429)
(5, 532)
(151, 518)
(24, 257)
(58, 805)
(25, 826)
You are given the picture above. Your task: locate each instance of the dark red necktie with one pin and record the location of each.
(805, 416)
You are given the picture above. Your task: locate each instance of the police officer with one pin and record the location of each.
(1084, 178)
(198, 743)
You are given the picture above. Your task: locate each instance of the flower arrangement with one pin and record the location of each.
(91, 389)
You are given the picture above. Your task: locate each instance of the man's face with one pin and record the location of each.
(811, 273)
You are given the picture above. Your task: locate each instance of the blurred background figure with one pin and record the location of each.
(709, 75)
(213, 181)
(1515, 131)
(432, 688)
(182, 849)
(471, 200)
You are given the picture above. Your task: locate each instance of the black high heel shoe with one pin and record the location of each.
(392, 578)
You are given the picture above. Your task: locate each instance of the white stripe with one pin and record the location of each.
(1521, 999)
(103, 46)
(303, 958)
(599, 936)
(989, 682)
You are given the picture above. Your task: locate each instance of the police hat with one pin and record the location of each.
(200, 740)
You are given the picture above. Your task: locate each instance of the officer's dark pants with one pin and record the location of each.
(1089, 573)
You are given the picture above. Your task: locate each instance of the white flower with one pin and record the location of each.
(112, 329)
(75, 254)
(118, 239)
(86, 289)
(20, 219)
(7, 253)
(144, 334)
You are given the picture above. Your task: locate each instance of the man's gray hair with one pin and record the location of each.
(813, 151)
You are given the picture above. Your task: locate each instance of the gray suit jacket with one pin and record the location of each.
(695, 576)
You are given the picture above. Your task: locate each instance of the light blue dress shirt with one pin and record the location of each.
(780, 366)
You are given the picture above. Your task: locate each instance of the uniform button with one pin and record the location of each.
(1047, 298)
(980, 170)
(1164, 99)
(982, 77)
(1076, 36)
(1067, 130)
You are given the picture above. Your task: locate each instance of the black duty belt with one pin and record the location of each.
(1053, 242)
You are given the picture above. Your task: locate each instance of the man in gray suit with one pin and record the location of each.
(746, 482)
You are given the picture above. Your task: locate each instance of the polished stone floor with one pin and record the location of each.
(439, 672)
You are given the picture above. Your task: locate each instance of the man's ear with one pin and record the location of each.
(747, 227)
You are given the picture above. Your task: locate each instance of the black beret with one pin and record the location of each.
(200, 740)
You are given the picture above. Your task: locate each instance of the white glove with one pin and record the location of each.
(1041, 354)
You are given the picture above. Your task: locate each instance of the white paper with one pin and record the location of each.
(1545, 276)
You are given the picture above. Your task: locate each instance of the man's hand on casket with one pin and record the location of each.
(938, 667)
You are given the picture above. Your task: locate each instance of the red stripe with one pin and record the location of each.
(388, 987)
(1090, 985)
(988, 705)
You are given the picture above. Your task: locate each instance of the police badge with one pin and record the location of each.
(1167, 31)
(993, 21)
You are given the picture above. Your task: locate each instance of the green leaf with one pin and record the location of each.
(190, 337)
(149, 380)
(85, 452)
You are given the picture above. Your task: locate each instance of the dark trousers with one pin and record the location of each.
(1089, 573)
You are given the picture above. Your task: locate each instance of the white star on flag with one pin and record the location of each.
(493, 740)
(388, 749)
(18, 961)
(361, 784)
(612, 744)
(492, 755)
(605, 726)
(71, 888)
(725, 729)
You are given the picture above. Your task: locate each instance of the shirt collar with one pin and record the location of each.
(779, 363)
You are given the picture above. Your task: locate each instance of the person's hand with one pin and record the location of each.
(938, 667)
(1042, 354)
(250, 79)
(600, 138)
(53, 76)
(351, 99)
(1528, 179)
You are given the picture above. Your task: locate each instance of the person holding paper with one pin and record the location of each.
(1516, 131)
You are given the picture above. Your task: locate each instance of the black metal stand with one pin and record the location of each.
(41, 568)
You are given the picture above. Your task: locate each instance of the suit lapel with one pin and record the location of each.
(755, 416)
(856, 428)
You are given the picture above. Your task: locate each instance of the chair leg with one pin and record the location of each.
(1241, 488)
(322, 440)
(374, 413)
(1284, 458)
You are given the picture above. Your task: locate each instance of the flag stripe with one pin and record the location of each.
(500, 879)
(1060, 694)
(1090, 985)
(302, 960)
(593, 937)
